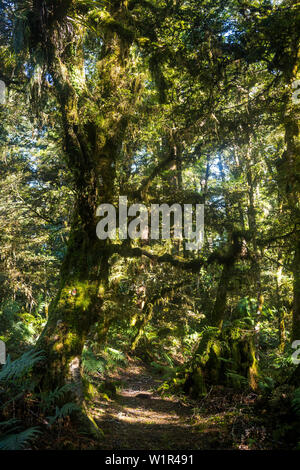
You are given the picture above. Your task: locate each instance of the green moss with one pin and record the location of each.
(101, 290)
(253, 370)
(227, 358)
(70, 340)
(90, 391)
(74, 300)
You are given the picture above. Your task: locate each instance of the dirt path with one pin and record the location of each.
(140, 419)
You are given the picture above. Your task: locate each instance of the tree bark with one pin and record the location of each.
(91, 151)
(289, 177)
(219, 309)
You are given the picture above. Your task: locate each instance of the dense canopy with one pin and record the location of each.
(164, 102)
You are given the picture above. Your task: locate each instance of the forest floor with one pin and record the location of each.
(140, 418)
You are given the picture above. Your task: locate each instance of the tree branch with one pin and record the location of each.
(222, 256)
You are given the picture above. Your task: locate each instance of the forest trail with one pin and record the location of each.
(140, 419)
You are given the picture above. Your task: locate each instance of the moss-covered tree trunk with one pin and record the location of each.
(144, 321)
(92, 142)
(74, 310)
(289, 177)
(224, 357)
(219, 308)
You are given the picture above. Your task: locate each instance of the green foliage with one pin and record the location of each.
(161, 101)
(66, 410)
(91, 364)
(266, 385)
(48, 400)
(164, 371)
(18, 369)
(15, 382)
(105, 361)
(237, 379)
(22, 330)
(18, 441)
(108, 389)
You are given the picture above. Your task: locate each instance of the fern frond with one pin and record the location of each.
(20, 440)
(91, 364)
(11, 424)
(63, 412)
(13, 370)
(49, 399)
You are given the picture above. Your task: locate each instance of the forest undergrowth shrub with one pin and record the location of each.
(103, 362)
(221, 358)
(281, 405)
(25, 413)
(20, 329)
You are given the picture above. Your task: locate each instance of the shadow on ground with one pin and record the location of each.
(150, 422)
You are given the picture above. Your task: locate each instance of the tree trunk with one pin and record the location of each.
(92, 144)
(219, 308)
(142, 325)
(289, 176)
(77, 306)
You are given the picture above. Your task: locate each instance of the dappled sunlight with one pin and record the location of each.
(139, 418)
